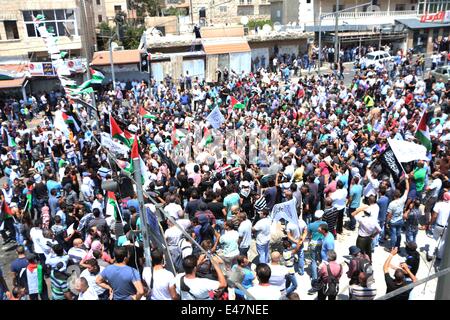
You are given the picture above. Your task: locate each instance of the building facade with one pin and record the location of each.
(209, 12)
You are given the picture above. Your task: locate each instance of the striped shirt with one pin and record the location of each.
(358, 292)
(330, 216)
(59, 286)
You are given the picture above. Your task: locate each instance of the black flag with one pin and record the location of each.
(390, 162)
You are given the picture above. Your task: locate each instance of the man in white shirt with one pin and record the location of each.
(441, 212)
(172, 234)
(262, 230)
(160, 281)
(339, 198)
(85, 291)
(245, 233)
(264, 290)
(173, 208)
(368, 226)
(278, 272)
(188, 287)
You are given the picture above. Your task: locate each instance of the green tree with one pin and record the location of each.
(103, 37)
(132, 36)
(151, 7)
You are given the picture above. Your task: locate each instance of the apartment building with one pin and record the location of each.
(210, 12)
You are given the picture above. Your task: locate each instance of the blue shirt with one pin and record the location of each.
(355, 193)
(344, 179)
(383, 203)
(121, 279)
(327, 245)
(51, 184)
(247, 281)
(133, 203)
(313, 228)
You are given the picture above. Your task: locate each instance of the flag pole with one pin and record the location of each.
(143, 210)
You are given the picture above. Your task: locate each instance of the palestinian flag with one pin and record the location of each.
(29, 199)
(236, 104)
(70, 120)
(112, 207)
(177, 135)
(6, 210)
(423, 131)
(136, 156)
(12, 142)
(118, 134)
(97, 76)
(146, 115)
(207, 137)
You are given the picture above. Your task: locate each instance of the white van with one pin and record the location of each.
(376, 56)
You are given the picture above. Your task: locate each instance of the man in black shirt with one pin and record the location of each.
(40, 192)
(330, 216)
(413, 257)
(57, 151)
(399, 277)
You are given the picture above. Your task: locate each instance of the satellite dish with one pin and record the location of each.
(372, 8)
(277, 26)
(114, 45)
(244, 20)
(266, 28)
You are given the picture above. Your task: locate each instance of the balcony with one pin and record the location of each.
(368, 18)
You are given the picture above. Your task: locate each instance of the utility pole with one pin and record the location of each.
(87, 51)
(336, 32)
(191, 12)
(112, 62)
(443, 285)
(143, 210)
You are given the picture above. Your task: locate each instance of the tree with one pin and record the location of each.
(151, 7)
(103, 37)
(132, 36)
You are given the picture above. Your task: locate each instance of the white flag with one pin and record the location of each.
(215, 118)
(60, 124)
(406, 151)
(285, 210)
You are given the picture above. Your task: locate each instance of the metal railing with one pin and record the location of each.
(374, 14)
(414, 284)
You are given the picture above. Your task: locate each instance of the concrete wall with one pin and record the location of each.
(170, 23)
(216, 13)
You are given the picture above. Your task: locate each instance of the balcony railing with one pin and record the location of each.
(373, 14)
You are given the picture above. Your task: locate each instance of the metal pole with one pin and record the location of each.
(443, 285)
(143, 211)
(87, 53)
(320, 44)
(112, 63)
(336, 31)
(191, 13)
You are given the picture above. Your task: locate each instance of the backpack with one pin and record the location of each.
(331, 287)
(365, 266)
(176, 253)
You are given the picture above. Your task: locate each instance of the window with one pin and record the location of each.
(100, 18)
(308, 1)
(341, 7)
(59, 22)
(246, 11)
(223, 9)
(249, 1)
(11, 30)
(400, 7)
(264, 10)
(98, 2)
(117, 9)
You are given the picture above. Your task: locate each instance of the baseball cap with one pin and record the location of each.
(318, 214)
(353, 250)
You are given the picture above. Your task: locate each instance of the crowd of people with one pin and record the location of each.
(330, 139)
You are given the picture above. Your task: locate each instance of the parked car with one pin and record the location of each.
(441, 73)
(376, 56)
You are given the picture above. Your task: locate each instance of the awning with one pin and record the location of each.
(14, 83)
(15, 73)
(416, 24)
(225, 47)
(101, 58)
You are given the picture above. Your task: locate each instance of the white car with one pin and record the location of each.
(377, 56)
